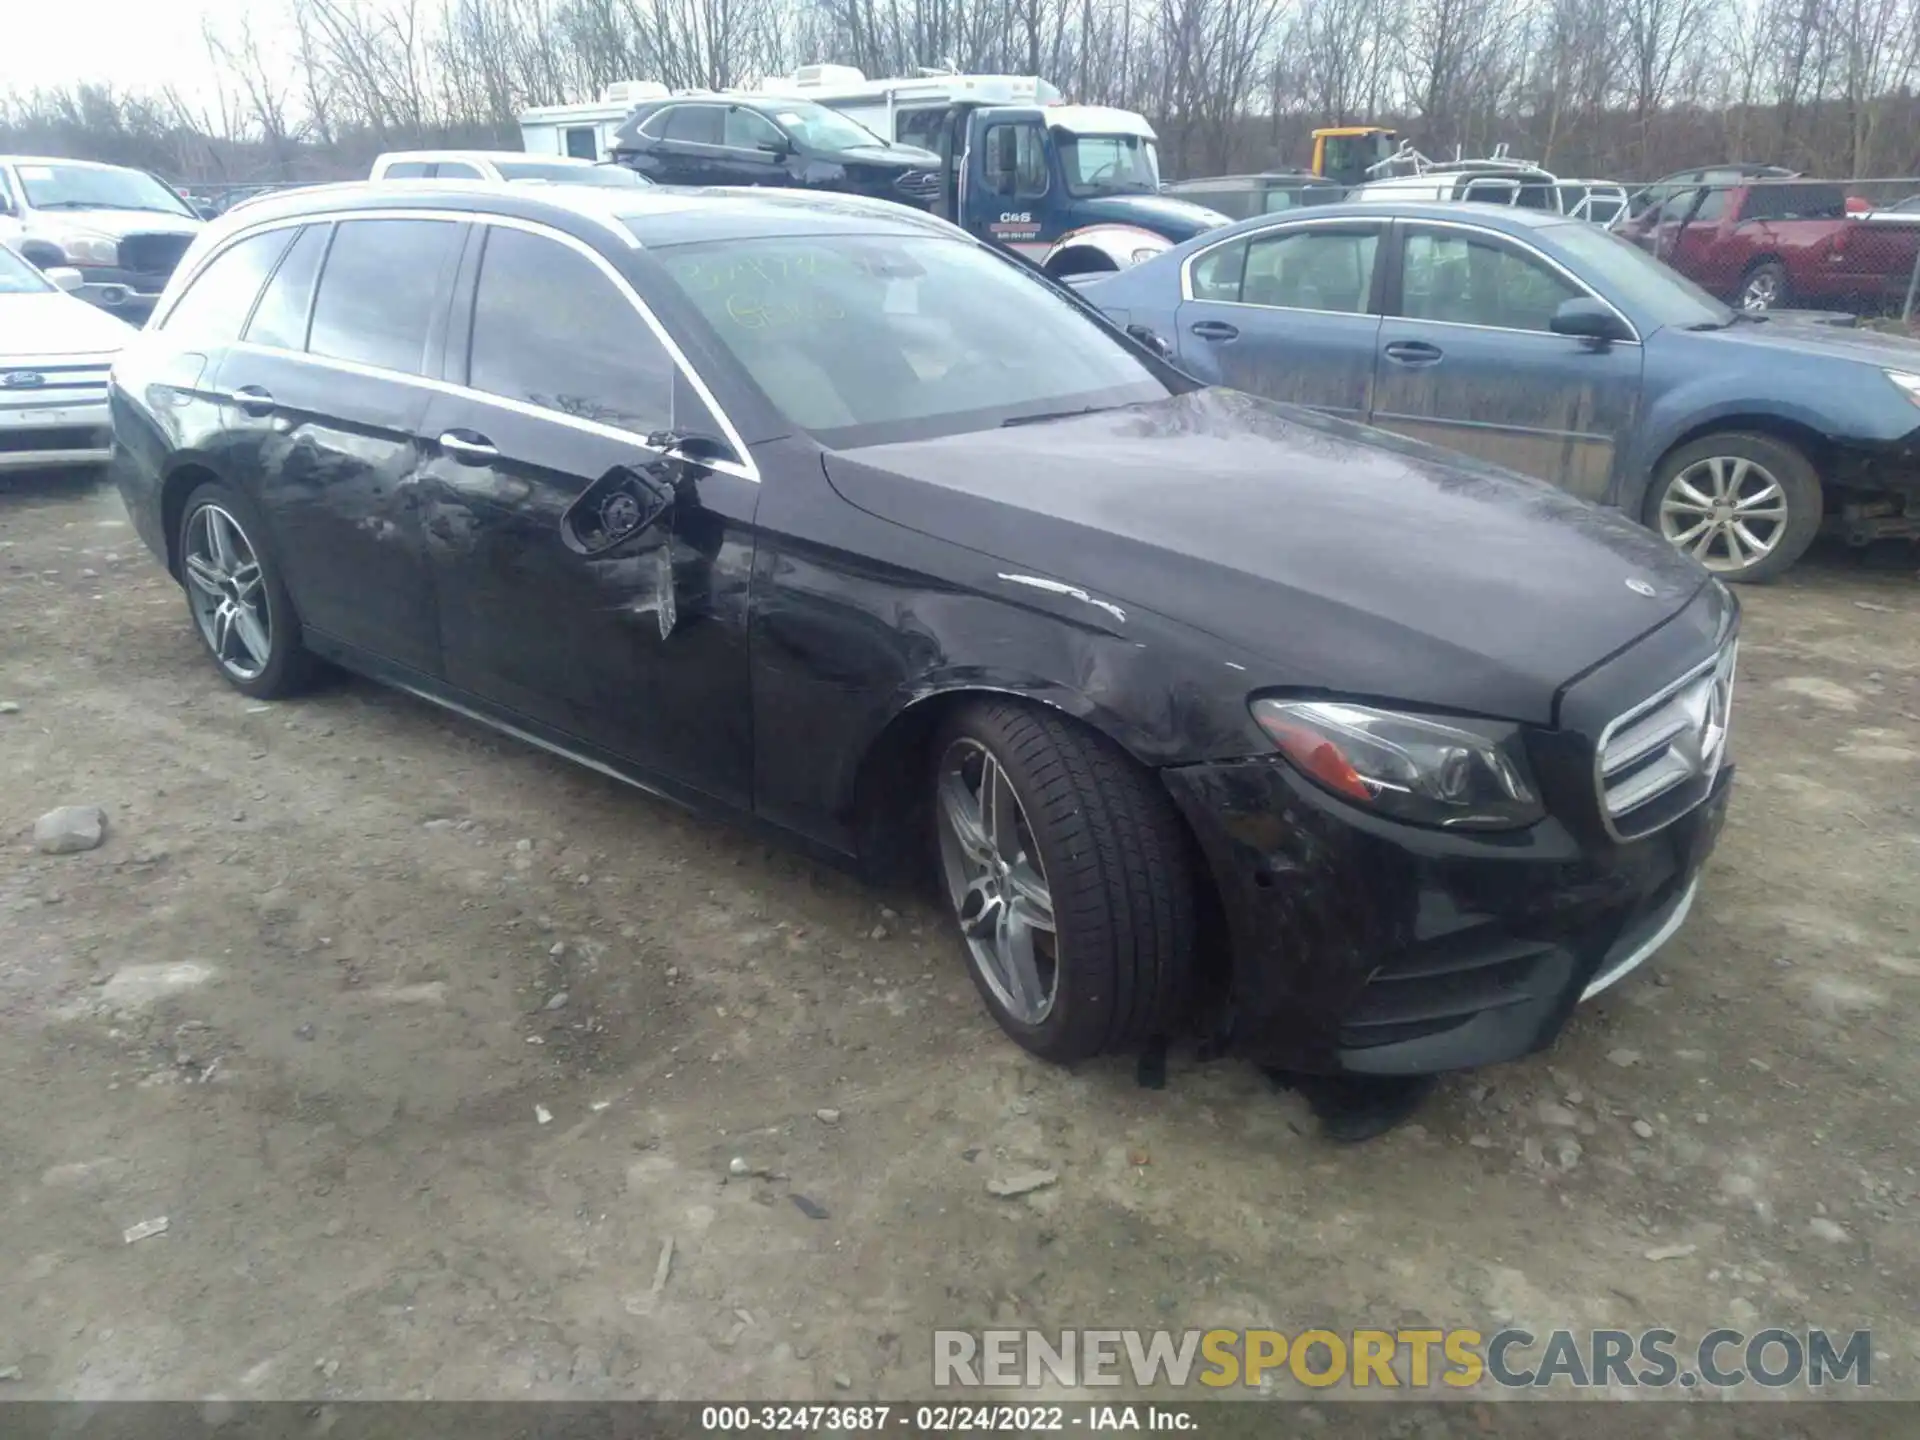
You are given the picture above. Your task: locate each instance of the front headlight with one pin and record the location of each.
(1141, 256)
(1907, 382)
(1458, 774)
(83, 249)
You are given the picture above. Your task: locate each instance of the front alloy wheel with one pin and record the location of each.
(1744, 505)
(227, 589)
(996, 882)
(1070, 875)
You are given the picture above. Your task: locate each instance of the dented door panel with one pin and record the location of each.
(638, 651)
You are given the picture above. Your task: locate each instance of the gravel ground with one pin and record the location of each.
(433, 1053)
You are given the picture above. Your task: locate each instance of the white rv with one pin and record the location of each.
(585, 132)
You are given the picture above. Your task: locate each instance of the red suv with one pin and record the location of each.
(1769, 244)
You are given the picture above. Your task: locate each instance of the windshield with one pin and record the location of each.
(615, 176)
(865, 340)
(87, 187)
(1628, 275)
(819, 128)
(1108, 164)
(17, 277)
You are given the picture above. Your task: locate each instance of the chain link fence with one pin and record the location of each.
(1779, 244)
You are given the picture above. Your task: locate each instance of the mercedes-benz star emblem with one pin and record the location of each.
(1641, 587)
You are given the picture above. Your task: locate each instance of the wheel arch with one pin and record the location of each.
(185, 478)
(1807, 439)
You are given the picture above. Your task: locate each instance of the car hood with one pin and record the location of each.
(1176, 219)
(1338, 557)
(43, 325)
(906, 157)
(1806, 337)
(115, 223)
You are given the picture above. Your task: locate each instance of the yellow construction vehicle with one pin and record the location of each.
(1344, 153)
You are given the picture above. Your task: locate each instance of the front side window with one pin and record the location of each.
(1466, 279)
(456, 170)
(280, 319)
(1311, 269)
(1108, 164)
(378, 291)
(550, 329)
(1016, 161)
(870, 339)
(820, 128)
(97, 187)
(750, 130)
(405, 170)
(217, 303)
(694, 124)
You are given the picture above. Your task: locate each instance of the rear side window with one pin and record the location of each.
(1311, 269)
(456, 170)
(550, 329)
(216, 305)
(379, 290)
(1794, 200)
(280, 319)
(405, 170)
(695, 124)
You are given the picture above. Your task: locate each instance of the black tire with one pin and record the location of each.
(1764, 287)
(289, 666)
(1799, 483)
(1119, 869)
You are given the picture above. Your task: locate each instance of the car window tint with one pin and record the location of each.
(1216, 274)
(695, 124)
(550, 329)
(456, 170)
(215, 307)
(378, 291)
(280, 319)
(406, 170)
(746, 129)
(1315, 269)
(1016, 161)
(1467, 280)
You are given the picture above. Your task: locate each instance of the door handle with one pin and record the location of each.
(252, 399)
(1215, 330)
(468, 447)
(1413, 352)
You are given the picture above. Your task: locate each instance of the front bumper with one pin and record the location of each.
(37, 437)
(1365, 946)
(122, 291)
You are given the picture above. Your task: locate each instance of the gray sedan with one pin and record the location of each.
(1553, 348)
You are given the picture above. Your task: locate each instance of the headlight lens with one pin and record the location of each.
(1458, 774)
(1907, 382)
(91, 249)
(1141, 256)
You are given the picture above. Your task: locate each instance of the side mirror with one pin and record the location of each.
(65, 277)
(1588, 319)
(692, 447)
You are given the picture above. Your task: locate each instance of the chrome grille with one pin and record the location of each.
(153, 254)
(1660, 759)
(919, 184)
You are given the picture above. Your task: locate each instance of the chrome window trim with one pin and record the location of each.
(746, 469)
(1531, 249)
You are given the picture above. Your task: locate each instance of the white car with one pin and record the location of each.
(123, 230)
(55, 352)
(502, 165)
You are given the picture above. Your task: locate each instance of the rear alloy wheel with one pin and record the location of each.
(1764, 287)
(1745, 506)
(237, 600)
(1068, 872)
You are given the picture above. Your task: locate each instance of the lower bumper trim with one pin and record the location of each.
(1643, 952)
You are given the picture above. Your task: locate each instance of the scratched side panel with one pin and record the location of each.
(856, 618)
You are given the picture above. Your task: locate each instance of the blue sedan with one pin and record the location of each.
(1551, 347)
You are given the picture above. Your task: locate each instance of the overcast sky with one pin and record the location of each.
(131, 44)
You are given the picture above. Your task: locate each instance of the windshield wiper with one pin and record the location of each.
(1047, 415)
